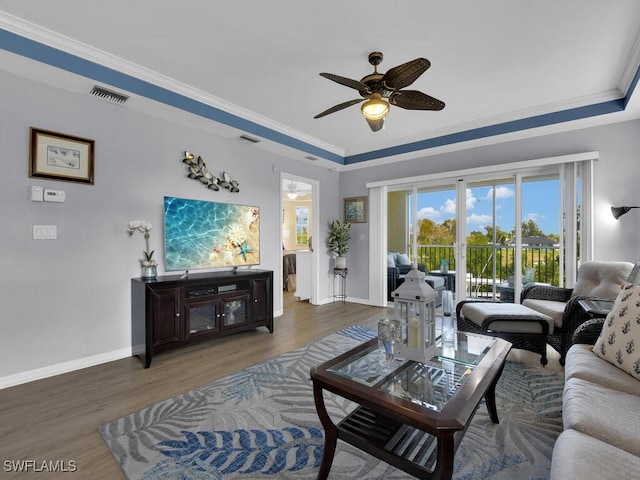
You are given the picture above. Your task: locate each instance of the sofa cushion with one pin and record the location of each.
(619, 341)
(391, 260)
(602, 413)
(551, 308)
(576, 455)
(601, 279)
(582, 363)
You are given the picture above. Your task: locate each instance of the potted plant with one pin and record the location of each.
(148, 264)
(338, 241)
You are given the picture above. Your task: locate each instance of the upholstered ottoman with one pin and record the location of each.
(522, 326)
(437, 283)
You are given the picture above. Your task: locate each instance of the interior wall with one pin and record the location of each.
(67, 301)
(397, 228)
(615, 183)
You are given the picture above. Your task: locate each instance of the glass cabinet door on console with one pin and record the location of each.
(235, 309)
(213, 313)
(201, 316)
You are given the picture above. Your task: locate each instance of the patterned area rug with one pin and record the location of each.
(262, 422)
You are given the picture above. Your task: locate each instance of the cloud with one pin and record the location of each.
(501, 193)
(471, 199)
(481, 220)
(449, 206)
(430, 213)
(534, 216)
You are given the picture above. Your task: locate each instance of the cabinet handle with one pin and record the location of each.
(255, 301)
(178, 314)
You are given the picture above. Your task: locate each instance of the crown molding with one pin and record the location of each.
(86, 52)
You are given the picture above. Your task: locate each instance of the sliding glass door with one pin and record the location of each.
(506, 232)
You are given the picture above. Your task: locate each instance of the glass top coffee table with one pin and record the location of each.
(411, 415)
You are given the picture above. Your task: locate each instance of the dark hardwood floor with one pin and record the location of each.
(56, 419)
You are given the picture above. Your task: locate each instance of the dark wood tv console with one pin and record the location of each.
(171, 311)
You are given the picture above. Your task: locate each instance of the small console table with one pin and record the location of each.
(596, 308)
(171, 311)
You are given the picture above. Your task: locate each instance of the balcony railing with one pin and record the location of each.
(480, 260)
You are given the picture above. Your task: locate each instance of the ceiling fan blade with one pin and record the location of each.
(335, 108)
(347, 82)
(415, 100)
(404, 75)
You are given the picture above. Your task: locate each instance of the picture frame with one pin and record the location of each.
(355, 210)
(57, 156)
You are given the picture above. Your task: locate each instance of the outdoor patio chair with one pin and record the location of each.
(596, 280)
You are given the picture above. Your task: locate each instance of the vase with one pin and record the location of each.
(341, 261)
(149, 271)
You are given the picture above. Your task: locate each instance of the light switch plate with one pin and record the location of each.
(45, 232)
(37, 193)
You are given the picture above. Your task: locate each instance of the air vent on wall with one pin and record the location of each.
(247, 139)
(108, 95)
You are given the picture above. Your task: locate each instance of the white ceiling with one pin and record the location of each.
(493, 62)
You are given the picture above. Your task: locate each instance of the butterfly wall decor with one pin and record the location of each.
(198, 171)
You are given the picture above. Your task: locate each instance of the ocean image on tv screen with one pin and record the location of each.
(202, 234)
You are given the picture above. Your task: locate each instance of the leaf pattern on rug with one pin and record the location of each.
(184, 438)
(265, 451)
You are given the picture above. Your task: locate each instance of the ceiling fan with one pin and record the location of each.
(376, 88)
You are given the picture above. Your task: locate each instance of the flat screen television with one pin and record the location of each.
(201, 234)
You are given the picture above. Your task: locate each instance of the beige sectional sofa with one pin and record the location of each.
(601, 420)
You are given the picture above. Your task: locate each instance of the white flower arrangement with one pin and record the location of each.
(144, 227)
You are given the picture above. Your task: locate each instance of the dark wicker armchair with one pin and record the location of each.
(596, 280)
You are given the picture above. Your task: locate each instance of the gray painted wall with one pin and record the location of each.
(68, 300)
(616, 177)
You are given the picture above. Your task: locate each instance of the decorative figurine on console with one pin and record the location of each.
(415, 306)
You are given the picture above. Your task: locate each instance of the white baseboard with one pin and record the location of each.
(65, 367)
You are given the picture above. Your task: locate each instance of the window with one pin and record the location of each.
(302, 225)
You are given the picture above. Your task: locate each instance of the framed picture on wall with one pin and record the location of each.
(355, 209)
(57, 156)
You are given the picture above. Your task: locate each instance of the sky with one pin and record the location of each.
(540, 203)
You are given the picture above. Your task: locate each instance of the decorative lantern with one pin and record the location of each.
(415, 307)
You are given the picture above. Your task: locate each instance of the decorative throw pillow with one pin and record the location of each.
(403, 259)
(619, 341)
(391, 260)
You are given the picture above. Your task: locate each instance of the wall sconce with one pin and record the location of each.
(617, 212)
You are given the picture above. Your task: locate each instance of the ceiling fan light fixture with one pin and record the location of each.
(292, 193)
(375, 125)
(375, 108)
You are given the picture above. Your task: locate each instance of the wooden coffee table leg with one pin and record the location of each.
(490, 397)
(446, 452)
(330, 433)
